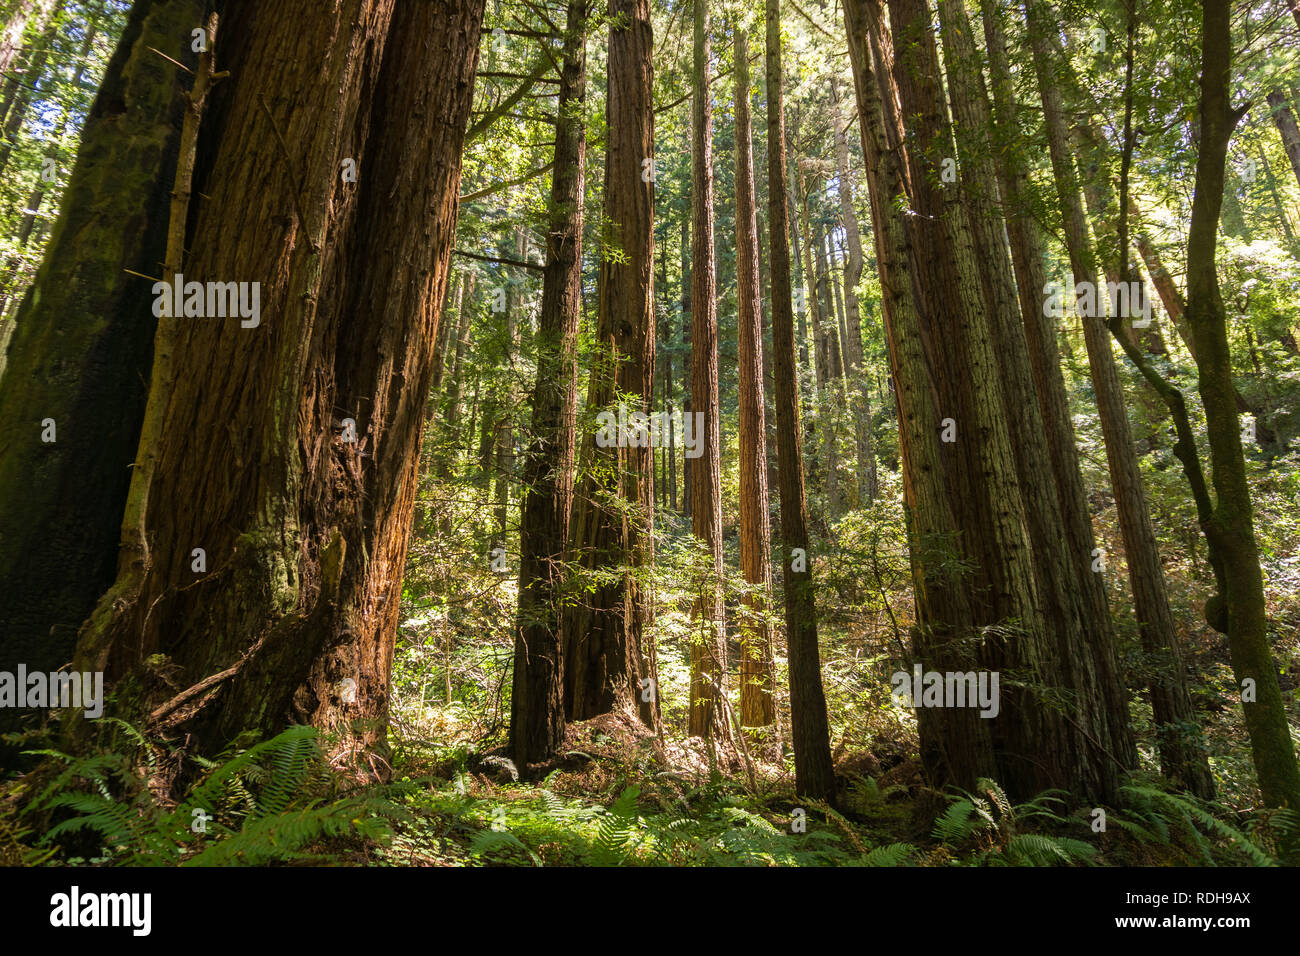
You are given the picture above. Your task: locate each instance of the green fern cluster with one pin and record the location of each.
(987, 828)
(1168, 819)
(257, 807)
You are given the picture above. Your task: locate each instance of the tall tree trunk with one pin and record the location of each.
(810, 730)
(14, 112)
(823, 311)
(1070, 593)
(80, 353)
(1010, 524)
(708, 645)
(1182, 755)
(24, 17)
(955, 743)
(504, 437)
(1232, 524)
(803, 278)
(828, 406)
(606, 666)
(304, 531)
(1284, 119)
(450, 318)
(537, 700)
(757, 704)
(852, 344)
(687, 357)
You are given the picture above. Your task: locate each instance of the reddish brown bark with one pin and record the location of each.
(608, 662)
(305, 533)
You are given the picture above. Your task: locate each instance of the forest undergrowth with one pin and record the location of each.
(615, 794)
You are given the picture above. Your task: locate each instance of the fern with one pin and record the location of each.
(489, 841)
(1191, 812)
(616, 828)
(895, 854)
(959, 823)
(1036, 849)
(257, 807)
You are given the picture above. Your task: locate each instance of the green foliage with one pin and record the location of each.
(260, 805)
(1163, 814)
(989, 829)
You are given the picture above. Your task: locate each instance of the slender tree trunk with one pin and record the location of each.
(708, 646)
(814, 772)
(1232, 524)
(1284, 119)
(688, 351)
(15, 109)
(456, 378)
(803, 278)
(757, 704)
(1182, 753)
(23, 18)
(606, 664)
(451, 317)
(828, 412)
(823, 311)
(537, 700)
(861, 405)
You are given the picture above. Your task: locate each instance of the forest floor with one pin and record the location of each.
(617, 795)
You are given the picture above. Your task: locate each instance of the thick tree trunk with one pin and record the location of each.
(708, 643)
(1232, 524)
(81, 350)
(955, 742)
(304, 531)
(606, 664)
(810, 730)
(1009, 523)
(1000, 519)
(1182, 754)
(1069, 592)
(757, 704)
(537, 701)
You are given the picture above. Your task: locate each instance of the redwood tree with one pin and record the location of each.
(708, 644)
(537, 700)
(607, 666)
(81, 350)
(287, 450)
(757, 704)
(810, 730)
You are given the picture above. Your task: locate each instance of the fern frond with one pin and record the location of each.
(895, 854)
